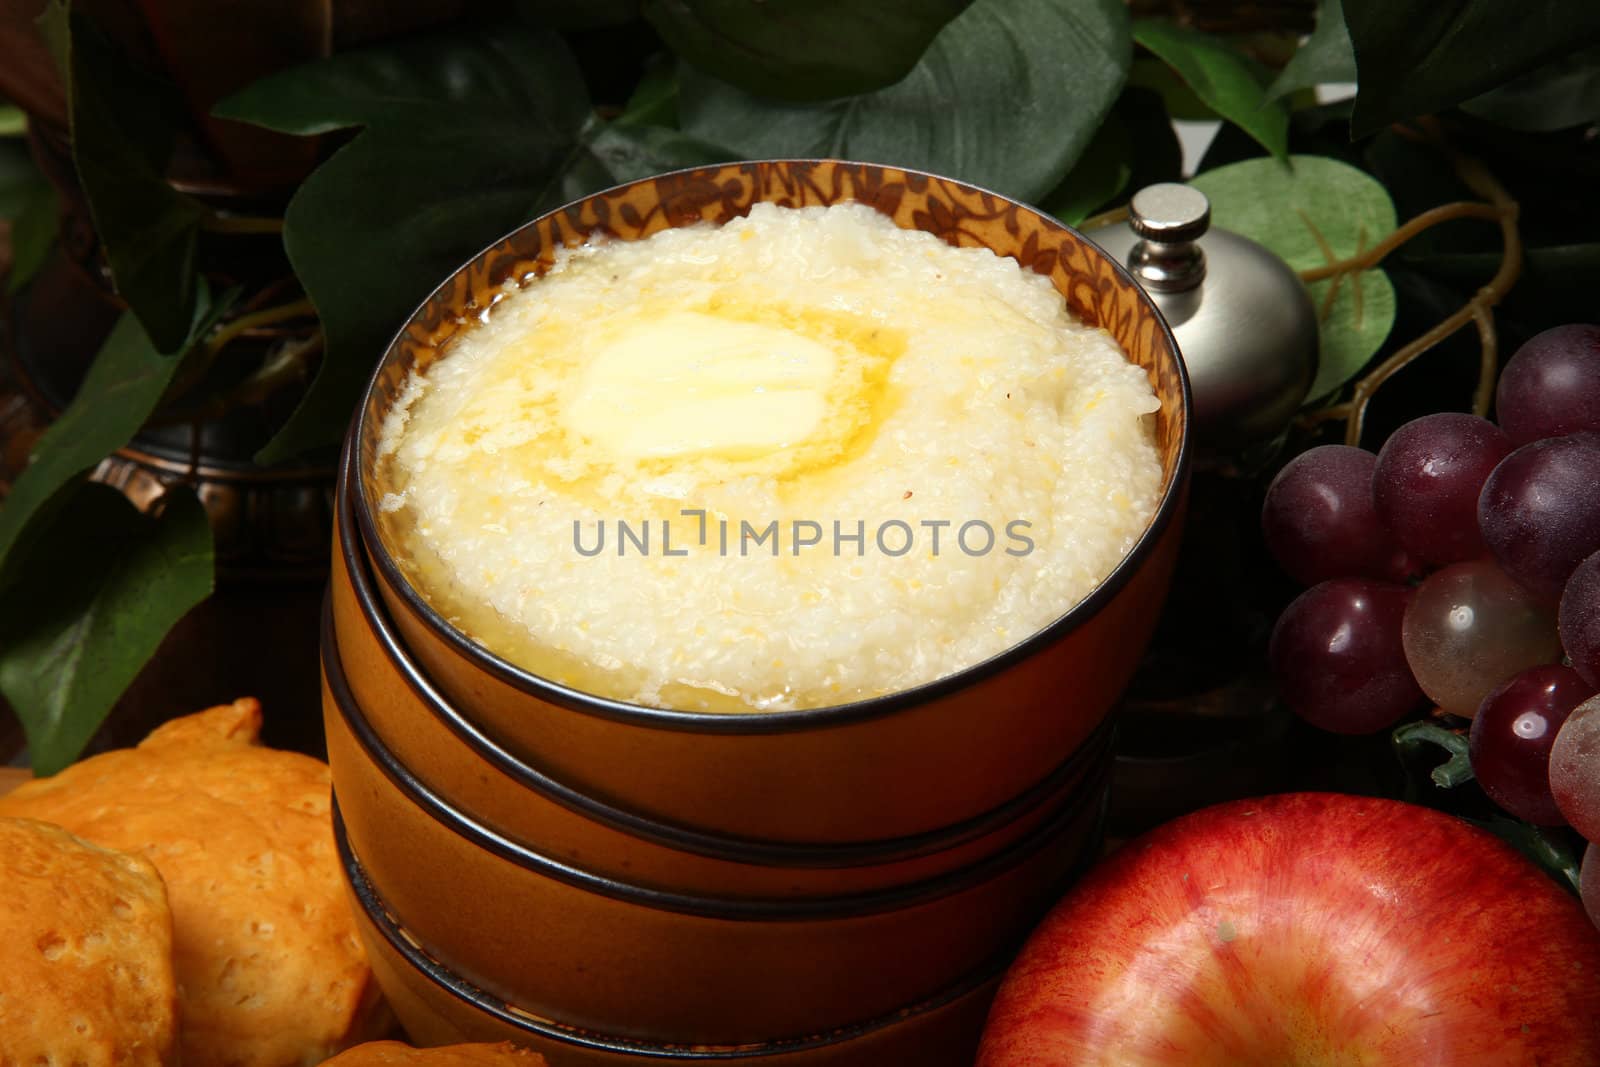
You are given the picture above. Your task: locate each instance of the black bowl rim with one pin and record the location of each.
(775, 722)
(1088, 798)
(678, 836)
(388, 927)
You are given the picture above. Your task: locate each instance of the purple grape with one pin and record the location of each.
(1512, 736)
(1575, 769)
(1579, 619)
(1337, 655)
(1319, 522)
(1551, 386)
(1540, 511)
(1468, 628)
(1426, 483)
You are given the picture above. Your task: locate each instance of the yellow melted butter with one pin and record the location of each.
(731, 388)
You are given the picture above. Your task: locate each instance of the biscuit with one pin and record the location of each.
(269, 968)
(395, 1054)
(85, 954)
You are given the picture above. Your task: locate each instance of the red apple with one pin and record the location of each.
(1306, 929)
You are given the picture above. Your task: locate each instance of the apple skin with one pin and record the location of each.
(1312, 930)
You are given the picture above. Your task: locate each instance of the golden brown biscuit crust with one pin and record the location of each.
(270, 970)
(395, 1054)
(85, 953)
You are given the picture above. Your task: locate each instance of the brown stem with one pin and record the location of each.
(1465, 209)
(199, 363)
(1477, 178)
(1321, 415)
(295, 309)
(285, 366)
(1488, 361)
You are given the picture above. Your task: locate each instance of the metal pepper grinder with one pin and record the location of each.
(1243, 321)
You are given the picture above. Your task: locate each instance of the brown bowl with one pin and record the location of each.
(438, 1007)
(442, 747)
(895, 766)
(559, 939)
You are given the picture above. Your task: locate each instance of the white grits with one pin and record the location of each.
(856, 373)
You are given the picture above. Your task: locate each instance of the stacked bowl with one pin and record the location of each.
(611, 883)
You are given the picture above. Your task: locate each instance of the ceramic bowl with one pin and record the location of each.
(447, 752)
(896, 766)
(437, 1006)
(605, 953)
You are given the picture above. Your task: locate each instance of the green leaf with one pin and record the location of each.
(467, 134)
(1101, 173)
(13, 121)
(1326, 56)
(1415, 57)
(654, 101)
(29, 200)
(1180, 101)
(105, 589)
(577, 14)
(33, 232)
(1226, 80)
(617, 153)
(1006, 97)
(123, 126)
(802, 49)
(121, 389)
(1556, 96)
(20, 178)
(1295, 210)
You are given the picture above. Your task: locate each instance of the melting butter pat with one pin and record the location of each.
(688, 383)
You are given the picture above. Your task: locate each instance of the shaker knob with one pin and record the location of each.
(1169, 218)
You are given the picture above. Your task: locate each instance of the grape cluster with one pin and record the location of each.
(1460, 565)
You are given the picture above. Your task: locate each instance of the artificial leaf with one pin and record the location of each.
(475, 75)
(121, 389)
(802, 49)
(1320, 130)
(1007, 97)
(1325, 57)
(1554, 97)
(1415, 57)
(654, 101)
(466, 135)
(93, 607)
(20, 178)
(618, 153)
(1181, 102)
(1101, 173)
(33, 232)
(123, 126)
(577, 14)
(1224, 79)
(1310, 212)
(29, 200)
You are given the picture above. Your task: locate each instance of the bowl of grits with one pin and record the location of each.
(804, 501)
